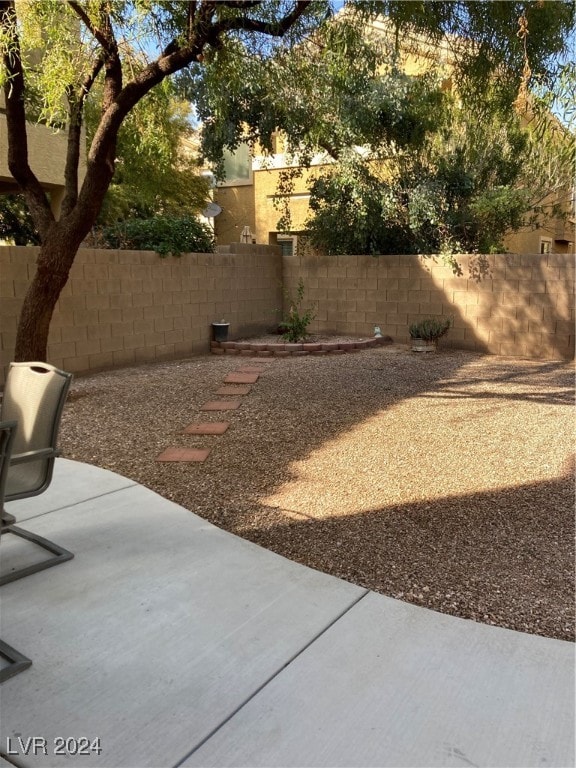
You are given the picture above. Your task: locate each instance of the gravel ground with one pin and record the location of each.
(445, 480)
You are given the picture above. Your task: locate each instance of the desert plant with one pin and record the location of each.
(430, 329)
(296, 321)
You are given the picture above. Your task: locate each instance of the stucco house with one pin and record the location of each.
(47, 156)
(248, 196)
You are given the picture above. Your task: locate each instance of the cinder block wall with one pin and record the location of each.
(125, 307)
(523, 306)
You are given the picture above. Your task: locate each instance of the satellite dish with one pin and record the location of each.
(211, 210)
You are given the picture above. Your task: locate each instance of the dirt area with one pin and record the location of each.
(446, 480)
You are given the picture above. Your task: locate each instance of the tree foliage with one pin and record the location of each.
(410, 169)
(456, 192)
(251, 67)
(167, 235)
(15, 221)
(344, 83)
(53, 55)
(156, 169)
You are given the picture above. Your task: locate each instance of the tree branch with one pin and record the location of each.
(76, 103)
(246, 24)
(330, 149)
(118, 103)
(16, 123)
(240, 3)
(104, 35)
(97, 33)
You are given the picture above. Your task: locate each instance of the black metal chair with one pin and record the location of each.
(15, 662)
(34, 397)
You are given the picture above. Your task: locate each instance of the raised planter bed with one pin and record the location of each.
(283, 349)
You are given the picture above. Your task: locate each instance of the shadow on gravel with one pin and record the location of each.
(556, 382)
(505, 557)
(501, 556)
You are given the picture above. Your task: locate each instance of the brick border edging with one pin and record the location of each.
(246, 348)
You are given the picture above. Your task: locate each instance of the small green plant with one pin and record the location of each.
(295, 323)
(430, 329)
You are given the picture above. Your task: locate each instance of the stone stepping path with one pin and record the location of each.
(221, 405)
(249, 369)
(207, 428)
(184, 454)
(244, 376)
(241, 378)
(233, 390)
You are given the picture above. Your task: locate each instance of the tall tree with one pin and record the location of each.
(246, 61)
(344, 84)
(457, 191)
(77, 42)
(408, 169)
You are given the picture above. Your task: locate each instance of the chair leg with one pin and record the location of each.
(60, 554)
(16, 661)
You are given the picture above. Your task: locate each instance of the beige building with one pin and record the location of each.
(47, 157)
(556, 235)
(249, 196)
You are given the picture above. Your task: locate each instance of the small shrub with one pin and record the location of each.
(166, 235)
(295, 323)
(430, 329)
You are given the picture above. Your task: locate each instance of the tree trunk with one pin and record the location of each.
(53, 266)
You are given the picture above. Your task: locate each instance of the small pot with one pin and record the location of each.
(220, 331)
(424, 345)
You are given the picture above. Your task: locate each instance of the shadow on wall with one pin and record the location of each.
(529, 305)
(521, 306)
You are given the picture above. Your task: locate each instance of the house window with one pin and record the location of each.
(545, 245)
(288, 245)
(237, 166)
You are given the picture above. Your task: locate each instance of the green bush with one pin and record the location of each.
(430, 329)
(167, 235)
(16, 222)
(295, 323)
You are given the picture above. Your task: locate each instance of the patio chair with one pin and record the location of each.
(16, 662)
(34, 397)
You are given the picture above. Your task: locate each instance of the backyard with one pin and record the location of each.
(446, 480)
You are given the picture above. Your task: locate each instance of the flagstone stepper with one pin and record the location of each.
(250, 369)
(184, 454)
(207, 428)
(241, 378)
(221, 405)
(234, 390)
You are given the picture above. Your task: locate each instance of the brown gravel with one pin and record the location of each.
(446, 480)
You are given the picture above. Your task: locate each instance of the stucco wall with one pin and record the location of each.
(524, 306)
(124, 307)
(253, 205)
(47, 152)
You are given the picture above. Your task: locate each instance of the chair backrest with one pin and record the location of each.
(7, 434)
(34, 396)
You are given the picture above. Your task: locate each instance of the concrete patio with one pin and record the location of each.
(168, 642)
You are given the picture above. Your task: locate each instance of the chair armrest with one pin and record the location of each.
(41, 453)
